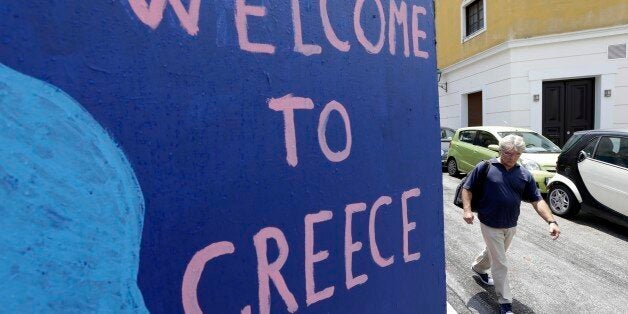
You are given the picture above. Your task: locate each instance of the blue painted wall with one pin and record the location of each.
(143, 141)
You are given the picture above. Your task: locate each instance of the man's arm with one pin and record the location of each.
(467, 196)
(467, 214)
(544, 211)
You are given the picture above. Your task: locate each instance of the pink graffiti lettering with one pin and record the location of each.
(194, 270)
(299, 46)
(271, 271)
(359, 31)
(241, 12)
(417, 33)
(288, 104)
(310, 258)
(351, 247)
(377, 257)
(329, 31)
(407, 227)
(322, 129)
(399, 16)
(152, 14)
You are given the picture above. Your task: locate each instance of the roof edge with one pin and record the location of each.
(539, 40)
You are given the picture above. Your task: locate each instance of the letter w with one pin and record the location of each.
(152, 14)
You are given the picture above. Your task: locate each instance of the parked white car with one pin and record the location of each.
(592, 173)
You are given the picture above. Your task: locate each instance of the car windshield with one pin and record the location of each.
(535, 143)
(572, 140)
(446, 133)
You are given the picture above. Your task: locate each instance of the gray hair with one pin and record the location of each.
(511, 141)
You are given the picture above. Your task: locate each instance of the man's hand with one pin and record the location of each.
(468, 217)
(554, 231)
(466, 205)
(544, 211)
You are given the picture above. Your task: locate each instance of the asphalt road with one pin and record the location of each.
(584, 271)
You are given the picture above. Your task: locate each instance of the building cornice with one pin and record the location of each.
(540, 40)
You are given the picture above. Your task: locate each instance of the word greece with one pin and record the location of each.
(271, 271)
(399, 14)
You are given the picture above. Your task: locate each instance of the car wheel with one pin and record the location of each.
(452, 167)
(562, 201)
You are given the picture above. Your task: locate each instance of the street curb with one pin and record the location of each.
(450, 309)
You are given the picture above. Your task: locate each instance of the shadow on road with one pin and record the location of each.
(458, 176)
(590, 220)
(486, 301)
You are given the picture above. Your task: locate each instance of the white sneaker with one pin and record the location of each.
(485, 278)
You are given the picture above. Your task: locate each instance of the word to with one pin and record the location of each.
(288, 104)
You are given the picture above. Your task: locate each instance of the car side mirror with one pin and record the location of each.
(582, 156)
(493, 147)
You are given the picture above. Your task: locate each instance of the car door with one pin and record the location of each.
(465, 149)
(605, 173)
(481, 150)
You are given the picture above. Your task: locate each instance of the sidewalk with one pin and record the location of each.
(450, 309)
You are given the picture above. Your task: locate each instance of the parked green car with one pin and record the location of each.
(471, 145)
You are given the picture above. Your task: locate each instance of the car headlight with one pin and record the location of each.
(530, 164)
(442, 153)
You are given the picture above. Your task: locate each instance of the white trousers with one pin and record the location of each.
(493, 257)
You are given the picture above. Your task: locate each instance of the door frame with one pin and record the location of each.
(604, 75)
(464, 105)
(566, 123)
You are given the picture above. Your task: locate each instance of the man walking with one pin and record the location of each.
(498, 203)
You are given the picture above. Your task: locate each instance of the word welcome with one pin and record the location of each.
(398, 15)
(270, 272)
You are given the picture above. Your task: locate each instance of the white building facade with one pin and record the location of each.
(513, 80)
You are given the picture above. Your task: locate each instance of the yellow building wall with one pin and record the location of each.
(515, 19)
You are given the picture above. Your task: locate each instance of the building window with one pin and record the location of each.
(473, 18)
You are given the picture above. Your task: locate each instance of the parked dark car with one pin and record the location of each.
(446, 135)
(592, 174)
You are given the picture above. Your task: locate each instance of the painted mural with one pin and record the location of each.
(225, 156)
(72, 210)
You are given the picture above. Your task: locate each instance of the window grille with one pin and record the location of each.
(474, 14)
